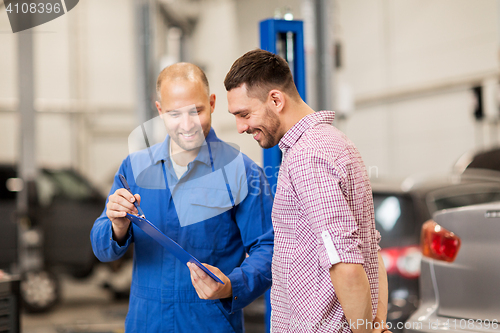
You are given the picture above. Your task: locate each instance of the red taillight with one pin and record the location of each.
(390, 258)
(404, 261)
(439, 243)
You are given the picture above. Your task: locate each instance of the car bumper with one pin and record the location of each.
(426, 320)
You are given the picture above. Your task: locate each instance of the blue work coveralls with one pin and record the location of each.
(162, 297)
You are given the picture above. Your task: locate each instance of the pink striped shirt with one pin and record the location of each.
(322, 215)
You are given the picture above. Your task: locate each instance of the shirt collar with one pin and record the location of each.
(163, 151)
(293, 134)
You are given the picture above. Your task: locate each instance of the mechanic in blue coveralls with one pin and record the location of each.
(208, 197)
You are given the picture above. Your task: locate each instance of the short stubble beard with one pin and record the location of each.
(270, 132)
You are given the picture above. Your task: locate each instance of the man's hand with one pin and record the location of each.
(381, 326)
(119, 204)
(206, 287)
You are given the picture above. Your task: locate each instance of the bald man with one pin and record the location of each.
(205, 195)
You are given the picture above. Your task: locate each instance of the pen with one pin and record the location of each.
(125, 185)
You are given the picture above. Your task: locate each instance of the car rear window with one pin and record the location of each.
(467, 199)
(68, 185)
(395, 219)
(6, 173)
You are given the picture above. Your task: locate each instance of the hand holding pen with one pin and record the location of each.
(119, 204)
(125, 185)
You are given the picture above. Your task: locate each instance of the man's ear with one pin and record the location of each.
(158, 107)
(212, 103)
(277, 100)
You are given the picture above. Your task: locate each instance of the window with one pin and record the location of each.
(467, 199)
(395, 219)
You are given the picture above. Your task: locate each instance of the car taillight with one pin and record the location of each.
(404, 261)
(439, 243)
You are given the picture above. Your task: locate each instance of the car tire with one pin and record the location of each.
(40, 291)
(83, 271)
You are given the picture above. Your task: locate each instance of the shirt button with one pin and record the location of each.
(235, 298)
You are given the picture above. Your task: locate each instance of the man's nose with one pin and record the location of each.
(241, 126)
(188, 121)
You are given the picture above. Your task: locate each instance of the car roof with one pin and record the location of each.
(495, 206)
(381, 186)
(488, 159)
(425, 184)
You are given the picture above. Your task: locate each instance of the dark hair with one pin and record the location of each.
(261, 71)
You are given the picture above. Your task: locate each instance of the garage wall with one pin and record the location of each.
(84, 70)
(410, 65)
(421, 136)
(390, 44)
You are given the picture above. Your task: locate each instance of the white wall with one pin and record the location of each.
(84, 70)
(109, 52)
(8, 62)
(395, 44)
(411, 65)
(419, 136)
(8, 91)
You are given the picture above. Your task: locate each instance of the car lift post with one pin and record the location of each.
(27, 260)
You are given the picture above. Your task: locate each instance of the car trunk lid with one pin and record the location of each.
(469, 286)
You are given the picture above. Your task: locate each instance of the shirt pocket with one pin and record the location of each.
(206, 223)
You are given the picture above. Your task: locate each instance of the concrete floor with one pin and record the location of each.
(86, 306)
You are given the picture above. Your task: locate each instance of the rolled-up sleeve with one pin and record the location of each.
(317, 182)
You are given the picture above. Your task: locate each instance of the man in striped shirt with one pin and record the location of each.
(328, 275)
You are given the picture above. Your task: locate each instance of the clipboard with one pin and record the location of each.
(151, 230)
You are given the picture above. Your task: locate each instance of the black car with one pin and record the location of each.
(479, 159)
(400, 213)
(62, 209)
